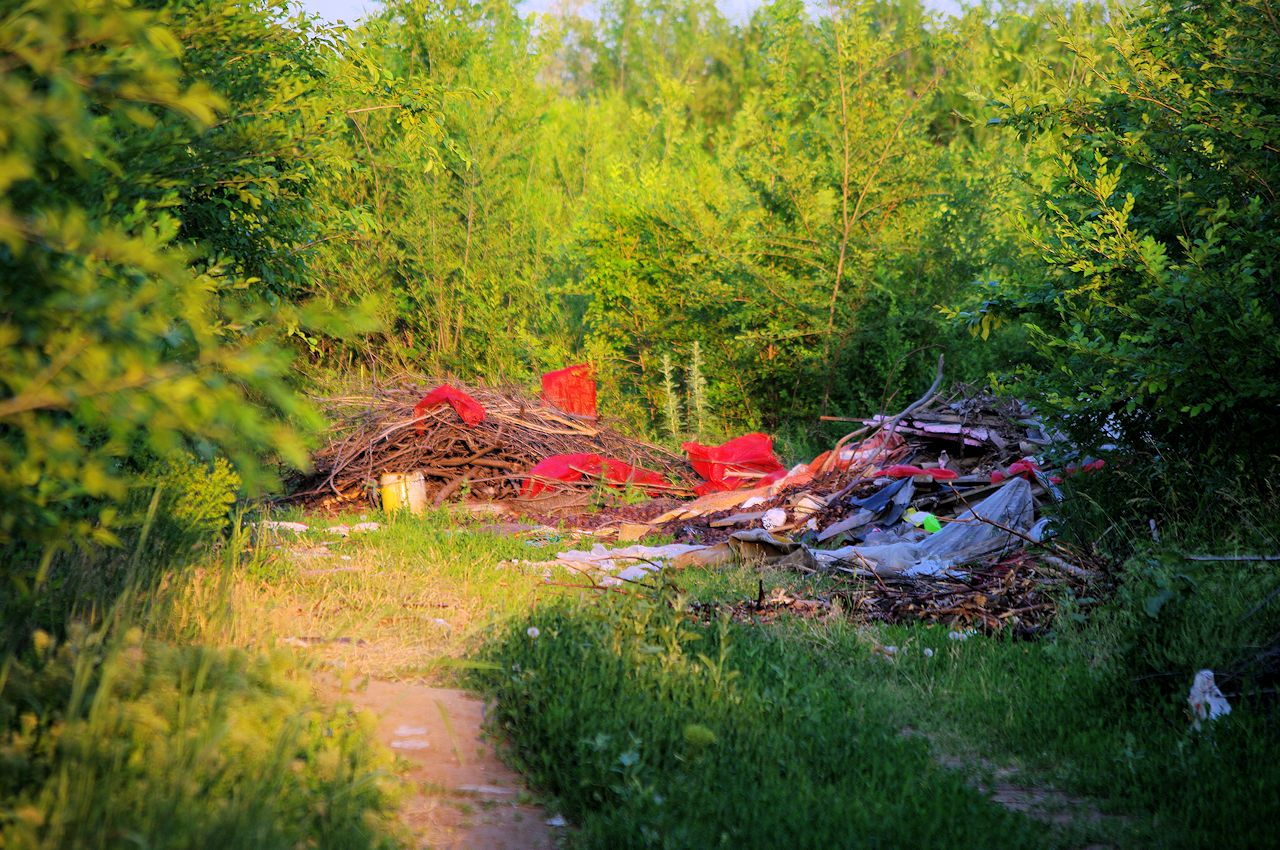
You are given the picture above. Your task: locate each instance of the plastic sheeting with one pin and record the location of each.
(575, 467)
(993, 525)
(746, 461)
(630, 563)
(572, 389)
(883, 508)
(471, 411)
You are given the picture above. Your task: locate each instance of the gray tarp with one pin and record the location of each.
(965, 539)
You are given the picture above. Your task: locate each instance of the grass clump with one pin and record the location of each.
(655, 732)
(133, 742)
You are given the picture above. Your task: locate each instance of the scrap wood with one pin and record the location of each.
(1014, 592)
(918, 403)
(376, 432)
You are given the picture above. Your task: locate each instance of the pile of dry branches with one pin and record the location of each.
(1022, 592)
(375, 433)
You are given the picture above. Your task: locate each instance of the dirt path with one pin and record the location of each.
(463, 796)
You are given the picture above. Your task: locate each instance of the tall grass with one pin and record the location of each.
(652, 732)
(120, 729)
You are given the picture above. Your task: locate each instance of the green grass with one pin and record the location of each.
(643, 727)
(650, 730)
(133, 742)
(409, 600)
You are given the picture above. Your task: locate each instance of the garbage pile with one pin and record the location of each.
(495, 443)
(932, 513)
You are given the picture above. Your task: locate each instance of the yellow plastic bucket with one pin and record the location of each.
(401, 490)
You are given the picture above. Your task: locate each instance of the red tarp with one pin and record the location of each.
(746, 461)
(575, 467)
(572, 389)
(471, 411)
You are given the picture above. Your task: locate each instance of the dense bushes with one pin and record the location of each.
(123, 339)
(1157, 312)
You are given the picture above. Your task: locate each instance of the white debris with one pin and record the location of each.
(611, 560)
(557, 821)
(1207, 702)
(809, 504)
(410, 731)
(410, 744)
(362, 527)
(273, 525)
(636, 572)
(340, 530)
(752, 502)
(928, 653)
(773, 518)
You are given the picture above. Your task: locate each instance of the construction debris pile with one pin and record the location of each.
(930, 514)
(933, 516)
(484, 440)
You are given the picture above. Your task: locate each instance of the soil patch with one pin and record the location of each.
(463, 796)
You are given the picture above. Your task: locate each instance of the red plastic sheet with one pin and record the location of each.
(471, 411)
(575, 467)
(1026, 468)
(905, 471)
(572, 389)
(746, 461)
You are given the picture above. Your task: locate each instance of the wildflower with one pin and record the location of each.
(532, 631)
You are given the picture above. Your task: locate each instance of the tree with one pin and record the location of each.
(1157, 307)
(117, 344)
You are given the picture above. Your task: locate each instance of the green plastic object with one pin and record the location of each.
(931, 524)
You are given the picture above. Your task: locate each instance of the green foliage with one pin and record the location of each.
(180, 747)
(448, 243)
(116, 345)
(1157, 230)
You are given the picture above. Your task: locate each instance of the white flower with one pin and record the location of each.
(928, 653)
(532, 631)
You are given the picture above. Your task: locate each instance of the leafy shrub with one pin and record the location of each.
(1157, 314)
(114, 347)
